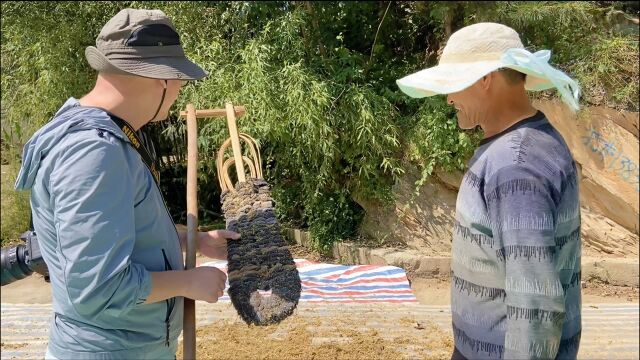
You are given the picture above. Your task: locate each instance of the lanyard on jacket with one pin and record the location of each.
(138, 145)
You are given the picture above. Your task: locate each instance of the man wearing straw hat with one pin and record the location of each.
(515, 271)
(112, 250)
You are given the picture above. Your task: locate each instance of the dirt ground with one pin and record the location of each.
(318, 338)
(31, 290)
(325, 336)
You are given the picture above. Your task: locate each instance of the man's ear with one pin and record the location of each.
(486, 81)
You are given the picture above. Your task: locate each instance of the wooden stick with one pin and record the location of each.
(205, 113)
(189, 323)
(235, 142)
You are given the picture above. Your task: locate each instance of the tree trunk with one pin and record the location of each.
(314, 21)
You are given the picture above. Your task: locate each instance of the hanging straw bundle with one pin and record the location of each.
(260, 261)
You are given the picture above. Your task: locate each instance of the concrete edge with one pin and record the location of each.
(614, 271)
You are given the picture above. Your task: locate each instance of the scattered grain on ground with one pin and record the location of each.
(315, 338)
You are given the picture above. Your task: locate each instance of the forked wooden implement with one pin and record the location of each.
(264, 284)
(191, 114)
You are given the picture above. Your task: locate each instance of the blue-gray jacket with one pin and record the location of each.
(102, 227)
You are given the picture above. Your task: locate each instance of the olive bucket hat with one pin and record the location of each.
(142, 43)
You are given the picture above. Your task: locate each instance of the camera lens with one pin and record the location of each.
(13, 264)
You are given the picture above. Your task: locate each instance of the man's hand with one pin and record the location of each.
(213, 244)
(205, 283)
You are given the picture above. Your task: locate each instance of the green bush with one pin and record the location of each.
(15, 207)
(43, 60)
(592, 41)
(318, 82)
(437, 142)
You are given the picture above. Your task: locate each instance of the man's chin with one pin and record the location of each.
(161, 117)
(465, 125)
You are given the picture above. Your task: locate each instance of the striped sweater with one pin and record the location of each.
(515, 287)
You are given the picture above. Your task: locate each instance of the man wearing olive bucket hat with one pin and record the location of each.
(515, 270)
(113, 252)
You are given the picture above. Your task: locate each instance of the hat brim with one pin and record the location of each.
(454, 77)
(167, 68)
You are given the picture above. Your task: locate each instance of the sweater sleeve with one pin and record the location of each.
(522, 205)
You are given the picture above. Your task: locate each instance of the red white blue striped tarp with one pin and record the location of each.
(346, 283)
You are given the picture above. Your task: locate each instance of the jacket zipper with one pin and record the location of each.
(167, 267)
(166, 261)
(164, 202)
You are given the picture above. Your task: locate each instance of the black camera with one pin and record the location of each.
(20, 261)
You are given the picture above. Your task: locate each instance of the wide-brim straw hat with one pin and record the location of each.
(142, 43)
(471, 53)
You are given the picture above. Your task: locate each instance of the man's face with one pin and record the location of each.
(471, 105)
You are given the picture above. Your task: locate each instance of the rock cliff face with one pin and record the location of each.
(604, 143)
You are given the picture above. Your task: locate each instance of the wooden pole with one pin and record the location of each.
(189, 324)
(235, 142)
